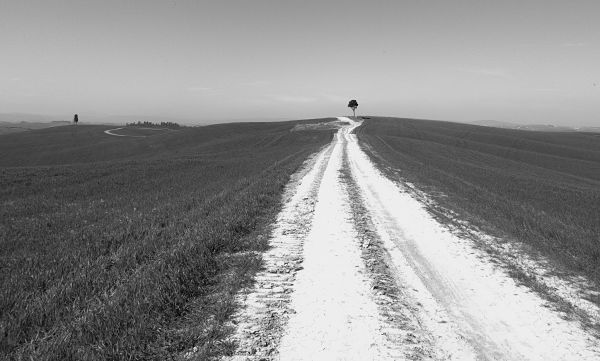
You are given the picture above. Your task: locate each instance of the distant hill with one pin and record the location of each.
(495, 124)
(546, 128)
(12, 122)
(8, 127)
(534, 127)
(30, 118)
(589, 129)
(20, 122)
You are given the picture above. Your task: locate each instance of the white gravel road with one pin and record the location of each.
(359, 270)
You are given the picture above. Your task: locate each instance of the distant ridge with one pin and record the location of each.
(494, 123)
(33, 118)
(17, 122)
(37, 121)
(13, 118)
(533, 127)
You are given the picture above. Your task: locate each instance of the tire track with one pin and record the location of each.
(264, 309)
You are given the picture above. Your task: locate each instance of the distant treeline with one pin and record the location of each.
(150, 124)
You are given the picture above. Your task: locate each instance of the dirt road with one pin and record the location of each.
(144, 129)
(359, 270)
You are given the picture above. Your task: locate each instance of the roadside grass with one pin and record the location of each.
(542, 189)
(133, 248)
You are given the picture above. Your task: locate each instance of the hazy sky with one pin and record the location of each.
(521, 61)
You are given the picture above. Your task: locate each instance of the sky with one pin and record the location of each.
(535, 61)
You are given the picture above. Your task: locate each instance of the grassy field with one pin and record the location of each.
(135, 131)
(542, 189)
(133, 248)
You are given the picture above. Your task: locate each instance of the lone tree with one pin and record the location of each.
(75, 119)
(353, 104)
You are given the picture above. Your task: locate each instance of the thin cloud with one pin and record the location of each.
(546, 90)
(334, 98)
(199, 88)
(234, 86)
(574, 44)
(293, 99)
(256, 83)
(489, 72)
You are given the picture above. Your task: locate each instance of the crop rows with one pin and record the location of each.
(138, 257)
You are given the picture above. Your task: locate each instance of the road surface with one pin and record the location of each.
(359, 270)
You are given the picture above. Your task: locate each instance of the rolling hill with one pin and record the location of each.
(129, 248)
(540, 188)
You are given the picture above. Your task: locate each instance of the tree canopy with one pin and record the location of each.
(353, 104)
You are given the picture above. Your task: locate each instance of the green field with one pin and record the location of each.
(540, 188)
(133, 248)
(132, 131)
